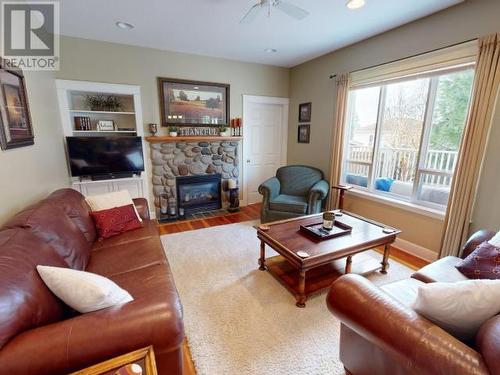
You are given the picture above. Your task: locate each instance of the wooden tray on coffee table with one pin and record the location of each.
(317, 231)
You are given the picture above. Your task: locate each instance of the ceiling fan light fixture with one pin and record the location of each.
(124, 25)
(355, 4)
(270, 50)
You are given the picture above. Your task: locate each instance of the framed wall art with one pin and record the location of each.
(305, 110)
(304, 134)
(193, 103)
(15, 120)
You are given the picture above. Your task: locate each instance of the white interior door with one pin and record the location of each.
(265, 127)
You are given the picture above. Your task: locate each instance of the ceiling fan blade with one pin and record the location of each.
(291, 10)
(251, 14)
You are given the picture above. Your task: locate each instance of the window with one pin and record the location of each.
(403, 136)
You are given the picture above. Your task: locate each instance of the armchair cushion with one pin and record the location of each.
(443, 270)
(298, 179)
(289, 203)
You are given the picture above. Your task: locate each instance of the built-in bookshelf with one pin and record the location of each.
(123, 118)
(87, 112)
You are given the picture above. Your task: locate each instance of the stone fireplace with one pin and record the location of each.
(175, 160)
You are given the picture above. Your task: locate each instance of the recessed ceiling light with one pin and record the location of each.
(270, 50)
(124, 25)
(355, 4)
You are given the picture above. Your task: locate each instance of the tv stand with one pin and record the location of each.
(111, 176)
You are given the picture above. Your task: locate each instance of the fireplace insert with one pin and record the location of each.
(199, 193)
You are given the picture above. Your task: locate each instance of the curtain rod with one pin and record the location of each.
(408, 57)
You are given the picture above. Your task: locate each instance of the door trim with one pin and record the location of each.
(284, 102)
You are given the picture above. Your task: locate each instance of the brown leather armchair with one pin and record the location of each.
(40, 335)
(381, 334)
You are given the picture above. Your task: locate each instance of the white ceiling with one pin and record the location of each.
(211, 27)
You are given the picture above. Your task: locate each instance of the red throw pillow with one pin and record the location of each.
(116, 220)
(482, 263)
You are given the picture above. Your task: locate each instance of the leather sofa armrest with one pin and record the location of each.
(90, 338)
(404, 335)
(142, 206)
(270, 189)
(475, 240)
(488, 343)
(319, 191)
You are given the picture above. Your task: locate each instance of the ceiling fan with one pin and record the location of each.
(267, 5)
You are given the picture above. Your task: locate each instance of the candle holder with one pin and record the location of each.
(172, 207)
(163, 204)
(153, 129)
(328, 220)
(234, 200)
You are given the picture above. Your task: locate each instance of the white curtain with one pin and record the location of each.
(473, 146)
(342, 90)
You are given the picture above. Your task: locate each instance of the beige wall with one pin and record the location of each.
(88, 60)
(30, 173)
(310, 82)
(117, 63)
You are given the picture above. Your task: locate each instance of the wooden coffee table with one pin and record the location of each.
(304, 277)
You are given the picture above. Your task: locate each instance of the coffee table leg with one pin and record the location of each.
(301, 297)
(385, 259)
(348, 263)
(262, 259)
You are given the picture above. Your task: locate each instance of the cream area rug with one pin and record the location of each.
(240, 320)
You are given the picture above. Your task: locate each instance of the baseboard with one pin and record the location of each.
(414, 249)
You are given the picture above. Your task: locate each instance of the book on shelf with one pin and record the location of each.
(82, 123)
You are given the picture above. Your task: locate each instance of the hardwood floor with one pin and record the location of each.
(252, 212)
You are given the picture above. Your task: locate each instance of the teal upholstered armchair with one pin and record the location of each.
(296, 190)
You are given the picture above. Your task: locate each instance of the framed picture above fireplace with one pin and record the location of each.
(193, 103)
(15, 120)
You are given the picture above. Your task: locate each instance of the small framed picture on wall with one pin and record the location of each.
(304, 134)
(15, 120)
(305, 112)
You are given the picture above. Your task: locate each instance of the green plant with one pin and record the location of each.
(172, 129)
(101, 102)
(113, 103)
(222, 129)
(95, 102)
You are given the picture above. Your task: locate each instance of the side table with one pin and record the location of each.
(145, 358)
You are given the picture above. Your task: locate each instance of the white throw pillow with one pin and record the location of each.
(83, 291)
(459, 308)
(495, 241)
(111, 200)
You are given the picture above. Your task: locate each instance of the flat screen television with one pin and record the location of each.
(105, 157)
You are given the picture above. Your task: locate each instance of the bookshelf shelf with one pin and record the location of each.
(100, 112)
(105, 131)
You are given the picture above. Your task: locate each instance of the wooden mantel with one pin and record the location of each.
(191, 138)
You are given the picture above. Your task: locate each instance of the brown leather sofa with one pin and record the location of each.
(381, 334)
(40, 335)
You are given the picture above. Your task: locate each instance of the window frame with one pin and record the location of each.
(420, 170)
